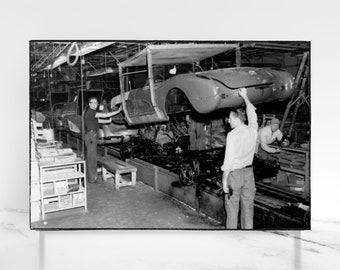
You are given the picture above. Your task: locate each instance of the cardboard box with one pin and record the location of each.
(78, 199)
(48, 189)
(51, 204)
(66, 200)
(61, 187)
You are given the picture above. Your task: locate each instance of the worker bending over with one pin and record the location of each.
(266, 136)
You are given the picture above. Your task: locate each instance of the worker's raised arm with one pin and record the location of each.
(250, 109)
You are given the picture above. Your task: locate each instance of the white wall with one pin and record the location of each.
(35, 22)
(210, 20)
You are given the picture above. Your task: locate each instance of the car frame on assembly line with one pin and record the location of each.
(70, 118)
(165, 79)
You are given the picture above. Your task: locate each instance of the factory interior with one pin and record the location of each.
(159, 156)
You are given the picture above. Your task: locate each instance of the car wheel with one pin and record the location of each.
(126, 151)
(187, 175)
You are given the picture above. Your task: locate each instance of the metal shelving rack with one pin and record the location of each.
(62, 186)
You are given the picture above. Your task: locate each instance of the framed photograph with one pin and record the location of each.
(170, 134)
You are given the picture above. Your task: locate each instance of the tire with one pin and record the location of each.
(126, 151)
(187, 176)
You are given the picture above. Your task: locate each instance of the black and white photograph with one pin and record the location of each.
(170, 135)
(187, 135)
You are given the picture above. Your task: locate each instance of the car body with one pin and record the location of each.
(69, 117)
(165, 79)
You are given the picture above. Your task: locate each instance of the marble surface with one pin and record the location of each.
(22, 248)
(19, 246)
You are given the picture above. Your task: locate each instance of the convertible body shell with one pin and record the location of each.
(204, 91)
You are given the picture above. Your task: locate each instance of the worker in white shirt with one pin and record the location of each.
(238, 174)
(266, 136)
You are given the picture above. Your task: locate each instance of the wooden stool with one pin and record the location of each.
(113, 167)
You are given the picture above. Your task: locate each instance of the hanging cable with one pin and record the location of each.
(51, 105)
(82, 61)
(49, 91)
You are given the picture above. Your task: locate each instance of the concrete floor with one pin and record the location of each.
(139, 207)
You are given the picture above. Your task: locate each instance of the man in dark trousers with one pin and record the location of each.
(237, 166)
(91, 130)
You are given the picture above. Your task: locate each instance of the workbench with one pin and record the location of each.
(116, 168)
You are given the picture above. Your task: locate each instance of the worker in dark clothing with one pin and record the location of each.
(91, 130)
